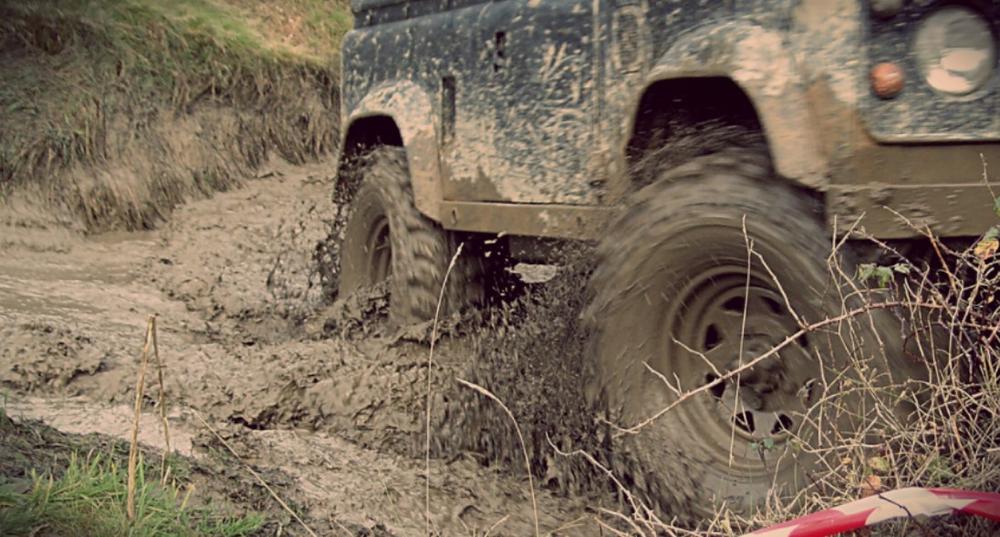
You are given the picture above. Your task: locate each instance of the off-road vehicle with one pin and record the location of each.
(772, 127)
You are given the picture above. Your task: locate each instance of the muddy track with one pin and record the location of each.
(317, 392)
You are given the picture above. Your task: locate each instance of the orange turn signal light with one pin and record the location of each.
(887, 80)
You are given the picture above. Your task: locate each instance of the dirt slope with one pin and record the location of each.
(115, 112)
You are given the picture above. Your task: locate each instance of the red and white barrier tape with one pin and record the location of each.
(901, 503)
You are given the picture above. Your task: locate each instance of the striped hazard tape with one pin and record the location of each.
(900, 503)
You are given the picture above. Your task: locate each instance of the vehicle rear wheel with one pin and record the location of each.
(673, 301)
(386, 237)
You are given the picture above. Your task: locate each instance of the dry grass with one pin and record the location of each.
(151, 348)
(133, 452)
(312, 28)
(116, 111)
(428, 393)
(948, 305)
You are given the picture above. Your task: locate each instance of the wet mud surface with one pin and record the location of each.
(317, 393)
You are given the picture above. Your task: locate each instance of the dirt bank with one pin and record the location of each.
(114, 113)
(320, 393)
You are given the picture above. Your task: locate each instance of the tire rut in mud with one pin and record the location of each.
(372, 387)
(337, 367)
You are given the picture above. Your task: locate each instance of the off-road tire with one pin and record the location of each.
(674, 232)
(421, 250)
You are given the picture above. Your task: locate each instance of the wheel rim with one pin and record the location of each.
(379, 250)
(743, 425)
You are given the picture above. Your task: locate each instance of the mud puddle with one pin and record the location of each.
(249, 341)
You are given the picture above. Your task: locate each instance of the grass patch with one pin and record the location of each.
(89, 500)
(48, 488)
(312, 28)
(51, 481)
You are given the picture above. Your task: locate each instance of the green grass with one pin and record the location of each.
(88, 500)
(326, 24)
(312, 28)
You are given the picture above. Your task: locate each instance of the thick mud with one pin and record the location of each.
(318, 392)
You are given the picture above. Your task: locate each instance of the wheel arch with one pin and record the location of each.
(736, 72)
(398, 114)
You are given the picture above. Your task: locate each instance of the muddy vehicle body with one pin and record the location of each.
(783, 122)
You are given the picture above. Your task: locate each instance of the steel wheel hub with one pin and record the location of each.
(721, 324)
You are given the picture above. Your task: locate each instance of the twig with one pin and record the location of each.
(774, 350)
(986, 176)
(928, 233)
(781, 290)
(697, 353)
(161, 402)
(923, 529)
(255, 474)
(743, 333)
(676, 391)
(593, 462)
(345, 529)
(427, 405)
(575, 523)
(495, 525)
(133, 449)
(520, 437)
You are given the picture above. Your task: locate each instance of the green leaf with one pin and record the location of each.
(884, 275)
(902, 268)
(879, 464)
(992, 233)
(871, 271)
(866, 271)
(996, 206)
(768, 443)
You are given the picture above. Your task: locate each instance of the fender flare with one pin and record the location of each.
(757, 60)
(411, 108)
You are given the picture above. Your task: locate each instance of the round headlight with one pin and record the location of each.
(956, 51)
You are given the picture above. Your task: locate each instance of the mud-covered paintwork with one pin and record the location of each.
(919, 113)
(532, 102)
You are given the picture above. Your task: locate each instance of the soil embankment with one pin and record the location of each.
(114, 113)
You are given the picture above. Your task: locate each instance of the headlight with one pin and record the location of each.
(956, 51)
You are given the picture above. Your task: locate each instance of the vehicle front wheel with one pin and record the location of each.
(674, 303)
